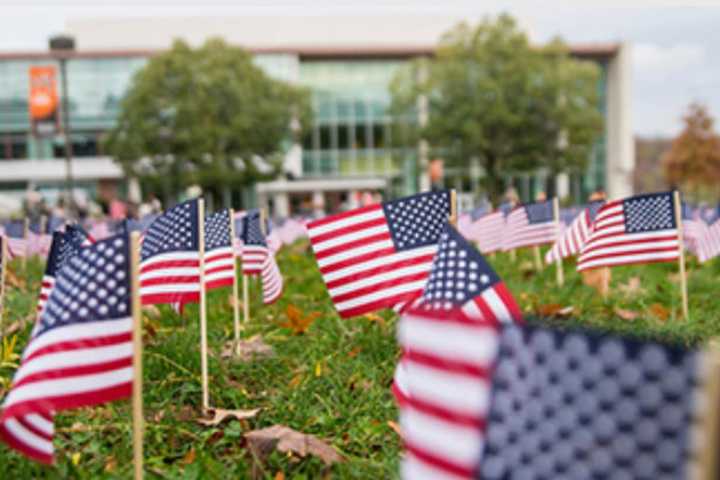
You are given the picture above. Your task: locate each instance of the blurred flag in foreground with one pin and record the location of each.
(577, 405)
(574, 237)
(170, 265)
(80, 354)
(259, 259)
(449, 340)
(639, 229)
(380, 255)
(530, 224)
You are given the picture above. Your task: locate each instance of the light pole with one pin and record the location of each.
(62, 47)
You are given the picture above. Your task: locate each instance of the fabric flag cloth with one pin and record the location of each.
(15, 234)
(170, 258)
(709, 243)
(449, 339)
(694, 228)
(219, 253)
(64, 245)
(639, 229)
(81, 353)
(574, 237)
(487, 232)
(529, 225)
(259, 259)
(579, 405)
(380, 255)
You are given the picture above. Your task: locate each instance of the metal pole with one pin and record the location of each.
(69, 182)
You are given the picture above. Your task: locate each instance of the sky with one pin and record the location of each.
(672, 41)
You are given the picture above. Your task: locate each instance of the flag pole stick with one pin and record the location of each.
(26, 230)
(681, 259)
(4, 257)
(137, 389)
(236, 306)
(559, 274)
(453, 208)
(536, 257)
(43, 224)
(709, 424)
(203, 307)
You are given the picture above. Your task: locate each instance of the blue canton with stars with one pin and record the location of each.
(93, 285)
(578, 405)
(176, 230)
(64, 246)
(459, 273)
(217, 230)
(417, 221)
(539, 212)
(251, 232)
(649, 213)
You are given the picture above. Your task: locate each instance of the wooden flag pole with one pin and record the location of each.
(203, 307)
(43, 224)
(537, 258)
(137, 389)
(236, 300)
(559, 274)
(4, 257)
(453, 208)
(26, 230)
(709, 424)
(681, 260)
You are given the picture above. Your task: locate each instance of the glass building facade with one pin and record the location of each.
(351, 135)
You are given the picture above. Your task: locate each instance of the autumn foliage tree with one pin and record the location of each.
(693, 161)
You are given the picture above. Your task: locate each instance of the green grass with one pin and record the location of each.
(332, 382)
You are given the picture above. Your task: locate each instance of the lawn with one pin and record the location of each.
(331, 381)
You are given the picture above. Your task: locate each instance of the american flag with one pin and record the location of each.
(530, 224)
(81, 353)
(380, 255)
(578, 405)
(709, 243)
(170, 258)
(64, 246)
(449, 339)
(259, 259)
(219, 253)
(639, 229)
(574, 237)
(694, 228)
(15, 234)
(487, 231)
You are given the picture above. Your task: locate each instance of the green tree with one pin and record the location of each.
(693, 161)
(207, 116)
(493, 96)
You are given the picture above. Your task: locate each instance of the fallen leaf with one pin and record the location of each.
(395, 428)
(75, 458)
(220, 415)
(659, 311)
(296, 380)
(354, 352)
(554, 310)
(599, 279)
(297, 320)
(110, 464)
(674, 277)
(626, 314)
(287, 440)
(279, 476)
(151, 311)
(632, 287)
(13, 280)
(318, 369)
(232, 300)
(375, 318)
(189, 457)
(247, 350)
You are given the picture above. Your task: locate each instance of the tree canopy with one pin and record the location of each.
(207, 116)
(693, 161)
(493, 96)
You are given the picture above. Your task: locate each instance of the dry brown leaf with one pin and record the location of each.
(285, 440)
(296, 380)
(220, 415)
(354, 352)
(626, 314)
(297, 320)
(110, 464)
(396, 428)
(189, 457)
(280, 475)
(232, 300)
(14, 281)
(659, 311)
(554, 310)
(374, 317)
(151, 311)
(247, 350)
(599, 279)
